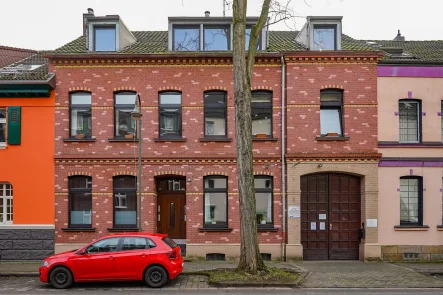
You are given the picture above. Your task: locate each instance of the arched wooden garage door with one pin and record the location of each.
(330, 216)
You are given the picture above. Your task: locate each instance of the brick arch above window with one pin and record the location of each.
(264, 88)
(332, 87)
(214, 88)
(215, 173)
(123, 89)
(123, 173)
(170, 88)
(79, 173)
(263, 173)
(79, 89)
(180, 173)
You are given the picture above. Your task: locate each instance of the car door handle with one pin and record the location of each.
(143, 255)
(111, 257)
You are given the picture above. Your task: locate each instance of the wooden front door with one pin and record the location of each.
(330, 216)
(172, 215)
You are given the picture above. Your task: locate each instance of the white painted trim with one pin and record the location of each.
(27, 226)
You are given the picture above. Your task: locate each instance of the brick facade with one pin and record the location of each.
(102, 159)
(357, 78)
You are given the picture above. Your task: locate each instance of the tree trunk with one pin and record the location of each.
(250, 257)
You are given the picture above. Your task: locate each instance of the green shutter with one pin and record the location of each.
(14, 125)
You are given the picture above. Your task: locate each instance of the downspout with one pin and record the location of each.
(283, 166)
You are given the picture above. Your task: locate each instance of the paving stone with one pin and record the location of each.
(356, 274)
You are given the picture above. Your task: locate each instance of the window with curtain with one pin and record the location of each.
(331, 113)
(264, 200)
(80, 110)
(411, 200)
(261, 107)
(216, 201)
(170, 111)
(125, 202)
(409, 120)
(215, 114)
(124, 104)
(80, 202)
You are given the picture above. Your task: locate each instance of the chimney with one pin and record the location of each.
(90, 11)
(399, 37)
(207, 13)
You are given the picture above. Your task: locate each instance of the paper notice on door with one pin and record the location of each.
(322, 216)
(313, 225)
(322, 225)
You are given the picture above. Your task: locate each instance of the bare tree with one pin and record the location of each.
(272, 11)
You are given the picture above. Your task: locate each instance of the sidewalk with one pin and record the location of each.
(31, 268)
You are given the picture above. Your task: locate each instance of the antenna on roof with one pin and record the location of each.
(225, 3)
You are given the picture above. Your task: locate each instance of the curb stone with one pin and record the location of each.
(19, 274)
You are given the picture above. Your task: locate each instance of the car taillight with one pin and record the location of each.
(172, 255)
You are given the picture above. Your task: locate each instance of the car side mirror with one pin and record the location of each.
(82, 252)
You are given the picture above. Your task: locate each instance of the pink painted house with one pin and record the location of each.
(410, 101)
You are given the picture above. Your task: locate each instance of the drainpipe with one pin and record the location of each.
(283, 166)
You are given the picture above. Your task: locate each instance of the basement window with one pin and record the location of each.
(215, 257)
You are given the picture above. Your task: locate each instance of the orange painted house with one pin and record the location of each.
(26, 160)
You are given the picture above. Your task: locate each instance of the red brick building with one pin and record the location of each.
(189, 183)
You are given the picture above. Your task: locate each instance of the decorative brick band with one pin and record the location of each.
(349, 157)
(157, 161)
(318, 105)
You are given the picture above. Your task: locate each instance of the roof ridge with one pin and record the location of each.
(18, 49)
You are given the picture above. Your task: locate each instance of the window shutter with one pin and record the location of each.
(14, 125)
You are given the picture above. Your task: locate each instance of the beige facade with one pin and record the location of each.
(368, 173)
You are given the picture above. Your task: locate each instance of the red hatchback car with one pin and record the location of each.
(154, 258)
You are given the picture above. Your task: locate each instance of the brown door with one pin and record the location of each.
(330, 216)
(172, 215)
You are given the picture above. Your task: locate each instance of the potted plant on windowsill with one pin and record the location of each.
(80, 134)
(261, 135)
(332, 134)
(129, 135)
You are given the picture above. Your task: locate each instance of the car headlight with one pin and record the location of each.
(45, 263)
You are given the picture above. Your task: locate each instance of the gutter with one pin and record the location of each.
(166, 54)
(50, 81)
(283, 166)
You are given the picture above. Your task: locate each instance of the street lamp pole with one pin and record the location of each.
(137, 116)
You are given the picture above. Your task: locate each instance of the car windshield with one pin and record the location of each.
(170, 242)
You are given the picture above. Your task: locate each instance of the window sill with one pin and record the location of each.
(409, 144)
(332, 138)
(123, 229)
(79, 140)
(80, 229)
(209, 229)
(122, 139)
(208, 139)
(170, 139)
(264, 139)
(411, 227)
(267, 229)
(440, 227)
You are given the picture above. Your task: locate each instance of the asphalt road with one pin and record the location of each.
(243, 292)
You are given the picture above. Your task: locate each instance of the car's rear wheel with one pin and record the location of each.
(60, 278)
(156, 276)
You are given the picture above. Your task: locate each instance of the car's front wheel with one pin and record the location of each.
(60, 278)
(156, 276)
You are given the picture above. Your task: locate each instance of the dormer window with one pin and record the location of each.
(321, 33)
(207, 33)
(217, 38)
(325, 37)
(104, 38)
(186, 38)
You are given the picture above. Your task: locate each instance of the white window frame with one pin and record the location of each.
(418, 106)
(121, 201)
(4, 199)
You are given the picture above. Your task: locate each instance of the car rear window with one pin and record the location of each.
(170, 242)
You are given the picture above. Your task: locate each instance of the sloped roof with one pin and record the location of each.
(156, 42)
(9, 55)
(21, 71)
(414, 51)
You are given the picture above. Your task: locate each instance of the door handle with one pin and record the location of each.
(330, 226)
(143, 255)
(111, 257)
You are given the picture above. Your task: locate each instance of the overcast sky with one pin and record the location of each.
(48, 24)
